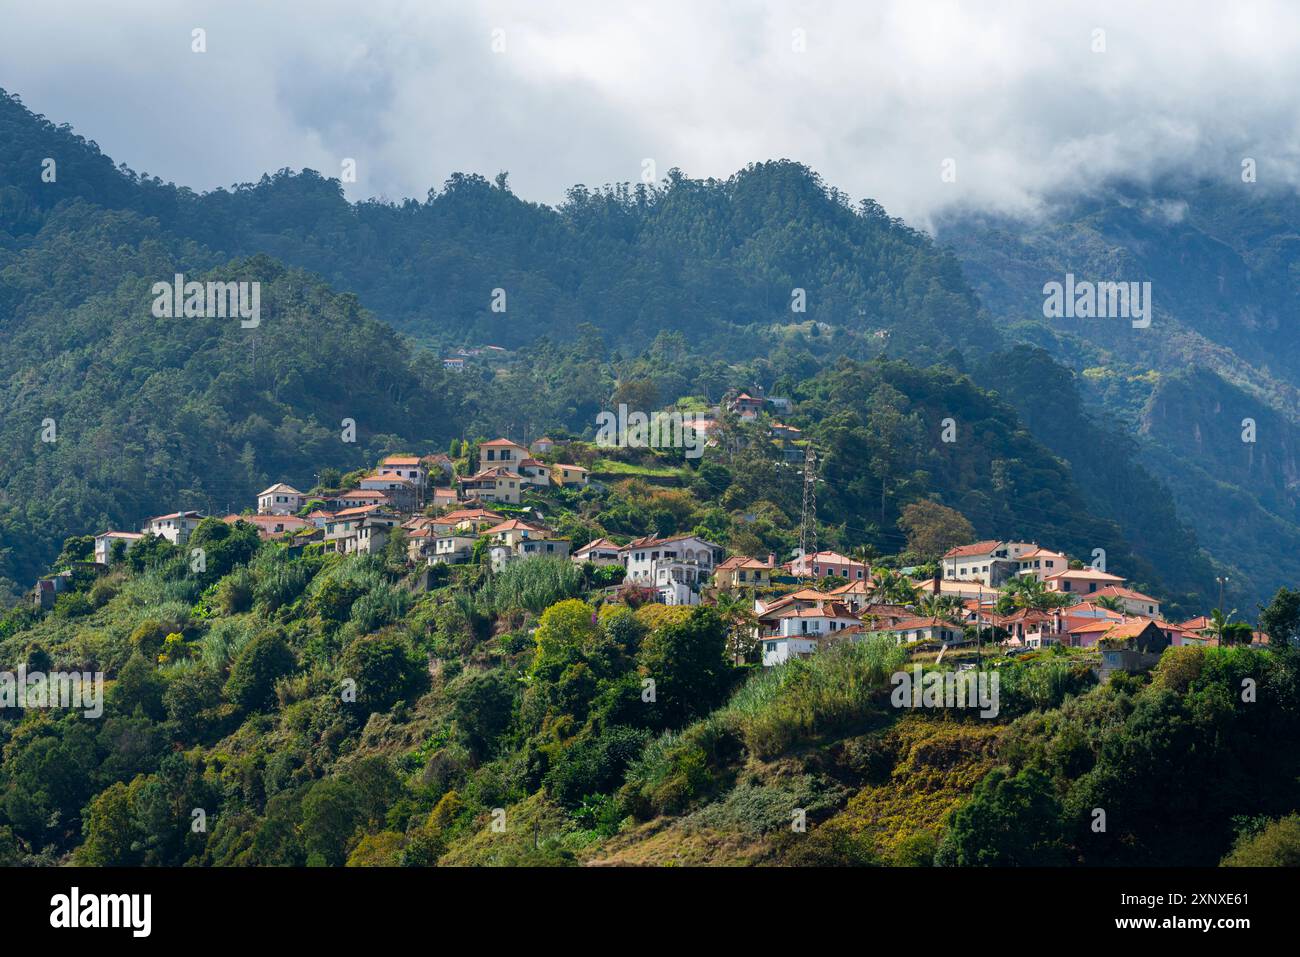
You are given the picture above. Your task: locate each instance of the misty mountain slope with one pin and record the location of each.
(1223, 261)
(1224, 344)
(709, 258)
(720, 262)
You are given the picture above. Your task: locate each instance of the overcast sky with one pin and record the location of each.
(583, 92)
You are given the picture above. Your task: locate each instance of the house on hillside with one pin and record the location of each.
(443, 497)
(828, 564)
(344, 531)
(105, 540)
(1041, 562)
(989, 562)
(533, 472)
(926, 629)
(601, 551)
(502, 552)
(1133, 602)
(1081, 581)
(1132, 646)
(176, 527)
(501, 452)
(357, 498)
(746, 407)
(402, 493)
(271, 526)
(542, 446)
(279, 499)
(471, 520)
(569, 476)
(741, 571)
(494, 484)
(644, 557)
(793, 626)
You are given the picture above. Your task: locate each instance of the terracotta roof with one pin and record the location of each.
(649, 541)
(357, 511)
(492, 471)
(1114, 591)
(499, 443)
(279, 487)
(159, 518)
(461, 514)
(1039, 552)
(597, 543)
(385, 477)
(401, 460)
(1129, 629)
(857, 587)
(912, 624)
(829, 609)
(1089, 574)
(743, 561)
(803, 594)
(512, 524)
(978, 548)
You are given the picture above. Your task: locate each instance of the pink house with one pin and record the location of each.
(828, 564)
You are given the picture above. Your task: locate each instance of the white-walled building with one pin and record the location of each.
(104, 544)
(279, 499)
(641, 555)
(176, 527)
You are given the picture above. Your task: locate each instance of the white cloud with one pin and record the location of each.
(584, 91)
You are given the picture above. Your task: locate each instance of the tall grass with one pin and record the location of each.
(807, 698)
(533, 584)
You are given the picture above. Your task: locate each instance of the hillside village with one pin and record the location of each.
(1008, 594)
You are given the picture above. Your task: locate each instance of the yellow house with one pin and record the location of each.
(497, 484)
(741, 571)
(569, 475)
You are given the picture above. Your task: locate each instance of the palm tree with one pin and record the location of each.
(937, 606)
(1028, 592)
(1110, 603)
(892, 588)
(737, 613)
(1218, 622)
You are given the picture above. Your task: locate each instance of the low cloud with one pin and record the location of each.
(876, 97)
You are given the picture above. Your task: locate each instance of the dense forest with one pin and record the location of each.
(656, 294)
(287, 707)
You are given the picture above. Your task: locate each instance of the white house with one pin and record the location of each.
(924, 629)
(407, 467)
(452, 548)
(279, 499)
(599, 552)
(641, 556)
(501, 452)
(1041, 563)
(104, 544)
(781, 648)
(176, 527)
(989, 562)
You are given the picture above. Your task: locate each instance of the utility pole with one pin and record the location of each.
(1222, 581)
(808, 520)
